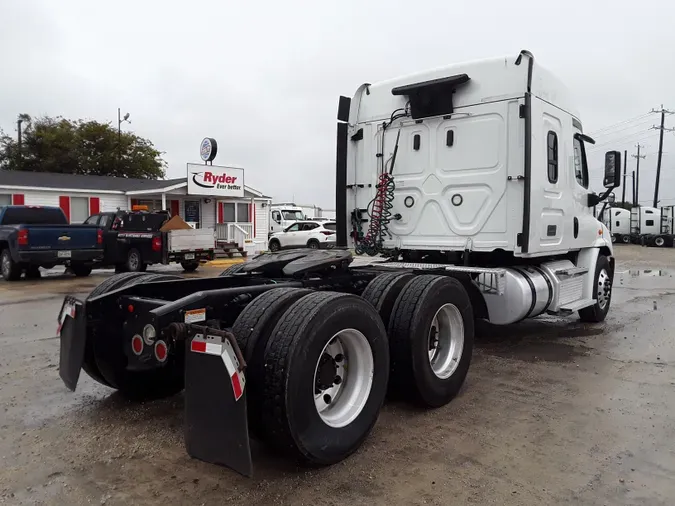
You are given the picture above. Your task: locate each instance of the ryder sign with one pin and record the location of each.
(215, 180)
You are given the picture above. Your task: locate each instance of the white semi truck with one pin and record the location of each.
(470, 184)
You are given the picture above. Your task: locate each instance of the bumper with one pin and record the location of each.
(191, 256)
(51, 257)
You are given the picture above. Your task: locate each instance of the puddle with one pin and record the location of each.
(647, 273)
(538, 351)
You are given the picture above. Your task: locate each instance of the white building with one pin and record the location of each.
(241, 221)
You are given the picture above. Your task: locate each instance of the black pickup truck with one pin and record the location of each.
(32, 237)
(134, 239)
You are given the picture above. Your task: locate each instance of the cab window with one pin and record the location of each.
(580, 167)
(92, 220)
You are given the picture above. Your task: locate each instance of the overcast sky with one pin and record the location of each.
(264, 77)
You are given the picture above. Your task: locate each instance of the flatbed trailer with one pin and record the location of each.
(301, 347)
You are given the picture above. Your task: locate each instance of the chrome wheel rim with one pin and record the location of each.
(659, 241)
(604, 289)
(5, 265)
(343, 378)
(446, 341)
(133, 261)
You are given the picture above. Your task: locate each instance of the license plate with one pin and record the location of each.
(64, 254)
(189, 256)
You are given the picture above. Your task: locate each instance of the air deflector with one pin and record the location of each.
(432, 98)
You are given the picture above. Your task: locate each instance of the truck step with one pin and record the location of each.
(577, 305)
(570, 271)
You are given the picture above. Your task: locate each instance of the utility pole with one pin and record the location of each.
(18, 144)
(625, 163)
(634, 199)
(662, 128)
(636, 177)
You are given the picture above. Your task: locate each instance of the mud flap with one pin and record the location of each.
(72, 329)
(216, 422)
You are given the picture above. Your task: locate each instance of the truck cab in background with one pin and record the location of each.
(284, 215)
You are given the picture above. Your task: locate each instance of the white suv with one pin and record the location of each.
(305, 234)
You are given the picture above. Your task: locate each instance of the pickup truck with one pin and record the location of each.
(32, 237)
(133, 240)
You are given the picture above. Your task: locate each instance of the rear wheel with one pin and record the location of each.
(252, 330)
(603, 292)
(11, 271)
(383, 291)
(111, 361)
(659, 242)
(625, 239)
(189, 266)
(326, 372)
(135, 261)
(313, 244)
(233, 269)
(81, 270)
(431, 334)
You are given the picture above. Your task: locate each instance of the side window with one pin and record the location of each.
(92, 220)
(649, 223)
(617, 224)
(276, 216)
(105, 219)
(552, 150)
(647, 211)
(293, 228)
(580, 167)
(310, 226)
(617, 213)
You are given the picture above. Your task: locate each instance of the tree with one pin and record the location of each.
(80, 147)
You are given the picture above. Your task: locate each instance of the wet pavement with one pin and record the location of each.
(553, 411)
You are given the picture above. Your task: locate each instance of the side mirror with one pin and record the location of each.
(612, 177)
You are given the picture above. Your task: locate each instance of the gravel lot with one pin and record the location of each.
(553, 412)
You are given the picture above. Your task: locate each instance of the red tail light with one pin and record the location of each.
(327, 232)
(23, 237)
(99, 236)
(156, 244)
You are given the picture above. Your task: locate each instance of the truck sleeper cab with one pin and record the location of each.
(443, 175)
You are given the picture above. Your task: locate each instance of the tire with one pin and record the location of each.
(110, 360)
(625, 239)
(189, 266)
(252, 329)
(613, 238)
(274, 245)
(659, 241)
(383, 291)
(33, 272)
(81, 271)
(112, 283)
(410, 326)
(233, 269)
(291, 418)
(313, 244)
(135, 261)
(603, 294)
(11, 271)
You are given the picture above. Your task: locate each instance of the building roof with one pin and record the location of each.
(56, 181)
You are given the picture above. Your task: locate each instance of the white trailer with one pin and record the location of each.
(617, 220)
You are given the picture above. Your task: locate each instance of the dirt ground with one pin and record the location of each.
(553, 412)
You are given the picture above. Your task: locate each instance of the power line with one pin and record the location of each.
(609, 127)
(628, 127)
(623, 140)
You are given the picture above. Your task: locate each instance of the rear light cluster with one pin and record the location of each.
(327, 232)
(156, 244)
(99, 237)
(22, 238)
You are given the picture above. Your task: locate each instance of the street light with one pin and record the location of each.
(120, 120)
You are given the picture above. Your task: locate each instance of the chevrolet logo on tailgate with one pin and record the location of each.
(64, 238)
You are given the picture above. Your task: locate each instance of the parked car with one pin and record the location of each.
(32, 237)
(134, 239)
(304, 234)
